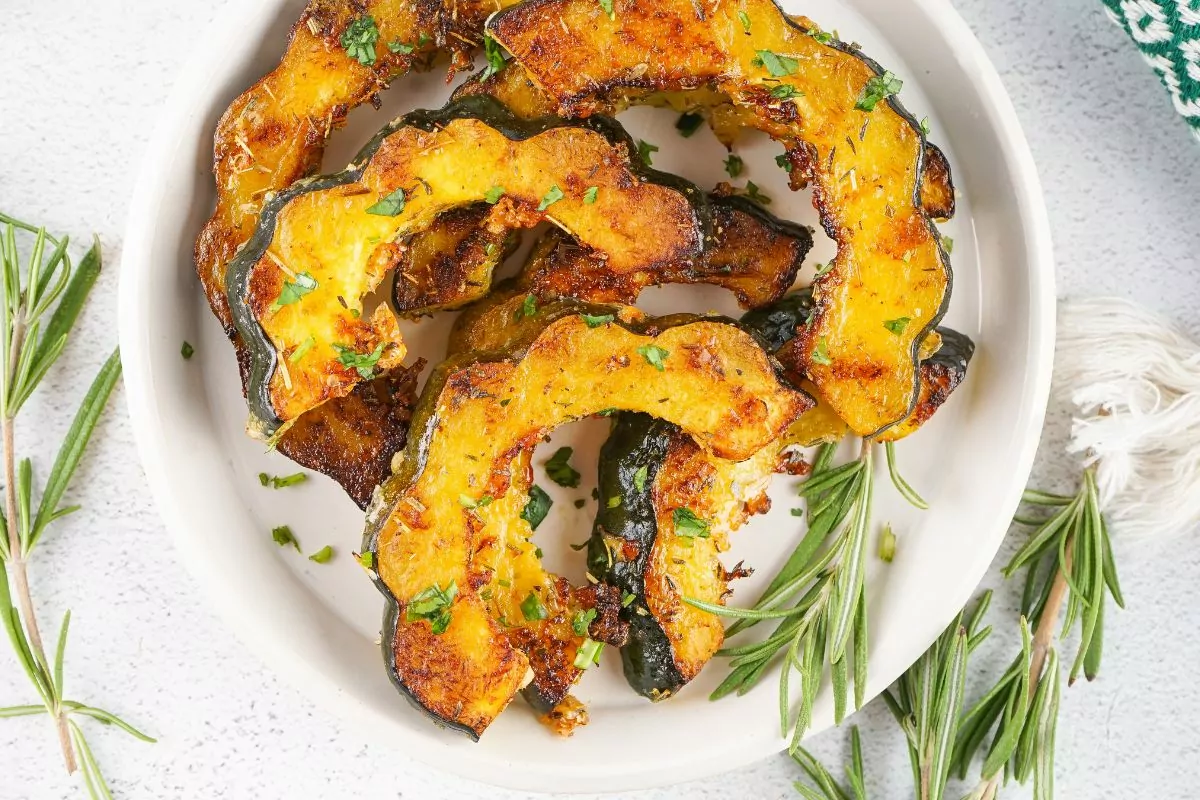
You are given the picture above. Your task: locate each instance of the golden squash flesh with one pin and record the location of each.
(476, 418)
(866, 167)
(340, 235)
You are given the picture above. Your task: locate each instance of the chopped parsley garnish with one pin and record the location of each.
(627, 599)
(879, 87)
(688, 123)
(778, 66)
(614, 501)
(948, 244)
(466, 501)
(494, 56)
(645, 151)
(367, 560)
(639, 478)
(786, 91)
(323, 555)
(897, 325)
(363, 362)
(494, 194)
(596, 320)
(528, 308)
(294, 289)
(589, 196)
(187, 351)
(734, 165)
(824, 37)
(823, 268)
(783, 162)
(588, 654)
(433, 605)
(391, 205)
(283, 536)
(550, 198)
(400, 47)
(581, 621)
(607, 412)
(925, 125)
(277, 482)
(560, 471)
(744, 18)
(755, 194)
(689, 526)
(607, 7)
(302, 349)
(533, 609)
(537, 508)
(359, 40)
(654, 356)
(820, 353)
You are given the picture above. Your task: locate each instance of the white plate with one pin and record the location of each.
(317, 625)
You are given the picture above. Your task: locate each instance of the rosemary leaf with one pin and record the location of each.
(22, 711)
(108, 718)
(71, 302)
(74, 443)
(902, 486)
(60, 651)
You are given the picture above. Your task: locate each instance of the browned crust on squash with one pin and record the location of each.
(354, 438)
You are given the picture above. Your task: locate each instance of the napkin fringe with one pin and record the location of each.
(1133, 379)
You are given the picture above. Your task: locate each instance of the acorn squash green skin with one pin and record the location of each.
(263, 357)
(637, 441)
(776, 324)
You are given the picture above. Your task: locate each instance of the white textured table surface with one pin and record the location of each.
(80, 85)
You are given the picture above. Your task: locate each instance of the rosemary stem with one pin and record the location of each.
(925, 774)
(1043, 636)
(16, 548)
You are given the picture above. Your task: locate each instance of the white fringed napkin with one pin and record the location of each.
(1133, 379)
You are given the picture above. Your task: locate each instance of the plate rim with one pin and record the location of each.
(155, 456)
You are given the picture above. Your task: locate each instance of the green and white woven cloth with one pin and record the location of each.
(1168, 34)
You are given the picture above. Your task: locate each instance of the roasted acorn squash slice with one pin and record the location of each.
(274, 134)
(442, 645)
(639, 549)
(751, 252)
(863, 154)
(513, 87)
(298, 286)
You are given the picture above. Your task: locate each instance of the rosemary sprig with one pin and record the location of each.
(827, 626)
(1068, 559)
(926, 703)
(1013, 725)
(32, 337)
